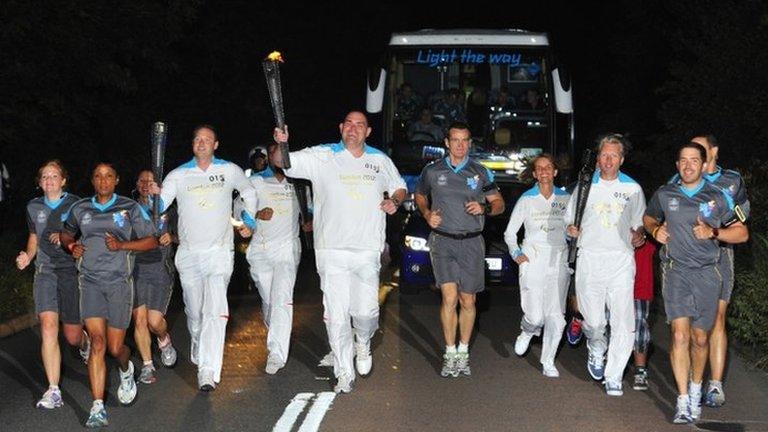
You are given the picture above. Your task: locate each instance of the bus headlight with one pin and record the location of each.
(416, 243)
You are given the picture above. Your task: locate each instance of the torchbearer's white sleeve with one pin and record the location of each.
(305, 163)
(168, 192)
(637, 201)
(396, 181)
(516, 220)
(247, 193)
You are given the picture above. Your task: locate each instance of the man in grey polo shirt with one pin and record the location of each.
(462, 193)
(691, 218)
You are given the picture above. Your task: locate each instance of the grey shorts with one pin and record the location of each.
(458, 261)
(725, 267)
(111, 301)
(154, 285)
(55, 290)
(691, 293)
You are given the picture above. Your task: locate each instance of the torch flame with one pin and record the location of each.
(275, 56)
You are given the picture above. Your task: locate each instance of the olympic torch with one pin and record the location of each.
(583, 186)
(159, 136)
(271, 66)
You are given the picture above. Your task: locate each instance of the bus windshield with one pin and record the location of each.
(500, 92)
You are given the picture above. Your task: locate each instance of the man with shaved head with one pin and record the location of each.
(355, 187)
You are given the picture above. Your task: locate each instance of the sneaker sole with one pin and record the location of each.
(640, 388)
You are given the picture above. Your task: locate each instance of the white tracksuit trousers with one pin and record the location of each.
(204, 276)
(543, 288)
(350, 283)
(605, 280)
(273, 269)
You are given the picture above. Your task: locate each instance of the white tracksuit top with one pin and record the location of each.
(613, 208)
(283, 228)
(205, 202)
(347, 194)
(544, 220)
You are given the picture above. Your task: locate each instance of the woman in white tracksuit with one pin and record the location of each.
(544, 273)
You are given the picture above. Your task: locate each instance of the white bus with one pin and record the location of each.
(506, 84)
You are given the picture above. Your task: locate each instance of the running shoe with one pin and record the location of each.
(462, 364)
(573, 332)
(683, 411)
(168, 354)
(126, 393)
(549, 370)
(613, 388)
(273, 365)
(344, 384)
(327, 360)
(596, 365)
(715, 397)
(449, 366)
(51, 399)
(363, 358)
(694, 402)
(85, 348)
(522, 343)
(205, 381)
(147, 375)
(97, 417)
(641, 380)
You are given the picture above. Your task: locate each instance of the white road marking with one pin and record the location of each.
(317, 412)
(292, 412)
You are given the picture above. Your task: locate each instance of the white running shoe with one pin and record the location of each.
(613, 388)
(363, 358)
(273, 365)
(462, 364)
(97, 417)
(449, 366)
(549, 370)
(51, 399)
(205, 381)
(522, 343)
(694, 402)
(126, 393)
(168, 355)
(344, 384)
(147, 374)
(327, 360)
(85, 351)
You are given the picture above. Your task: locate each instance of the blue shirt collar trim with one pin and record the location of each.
(459, 167)
(105, 206)
(54, 204)
(715, 175)
(691, 192)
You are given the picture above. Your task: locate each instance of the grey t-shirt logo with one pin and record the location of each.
(674, 204)
(41, 217)
(472, 182)
(87, 219)
(706, 208)
(442, 180)
(119, 217)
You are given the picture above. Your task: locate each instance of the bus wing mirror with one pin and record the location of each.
(563, 97)
(374, 95)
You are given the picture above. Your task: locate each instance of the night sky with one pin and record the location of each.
(84, 80)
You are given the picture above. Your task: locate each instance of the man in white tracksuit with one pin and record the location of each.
(273, 256)
(605, 267)
(544, 272)
(349, 179)
(203, 189)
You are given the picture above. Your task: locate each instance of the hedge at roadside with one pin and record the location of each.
(15, 286)
(748, 312)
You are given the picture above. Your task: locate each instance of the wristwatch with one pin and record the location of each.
(715, 233)
(487, 208)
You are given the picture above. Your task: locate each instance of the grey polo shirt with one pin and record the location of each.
(166, 223)
(44, 219)
(681, 208)
(451, 188)
(120, 216)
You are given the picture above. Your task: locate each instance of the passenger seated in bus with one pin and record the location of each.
(408, 103)
(502, 102)
(451, 107)
(425, 129)
(531, 100)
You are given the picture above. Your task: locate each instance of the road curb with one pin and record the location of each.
(15, 325)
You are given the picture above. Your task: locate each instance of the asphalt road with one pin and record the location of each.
(403, 393)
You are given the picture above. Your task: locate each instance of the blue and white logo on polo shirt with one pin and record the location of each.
(119, 217)
(473, 181)
(706, 208)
